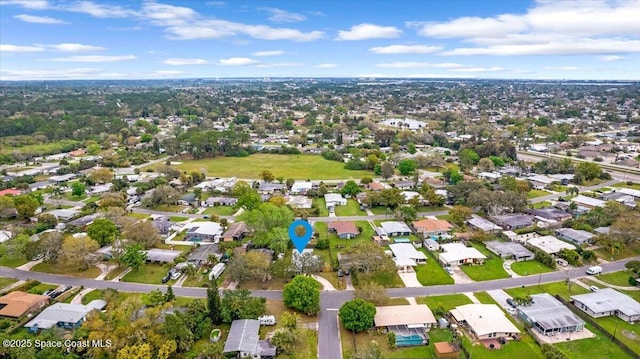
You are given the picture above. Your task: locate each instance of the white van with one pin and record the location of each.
(594, 270)
(267, 320)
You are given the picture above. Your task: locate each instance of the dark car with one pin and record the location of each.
(511, 302)
(54, 294)
(166, 278)
(65, 288)
(340, 273)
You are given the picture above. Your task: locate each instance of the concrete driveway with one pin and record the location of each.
(460, 277)
(500, 296)
(410, 279)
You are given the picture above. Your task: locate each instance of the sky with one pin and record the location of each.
(109, 39)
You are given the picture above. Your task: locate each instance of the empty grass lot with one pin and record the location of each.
(220, 210)
(447, 302)
(541, 205)
(530, 267)
(535, 193)
(45, 267)
(526, 348)
(625, 253)
(491, 269)
(9, 261)
(288, 166)
(432, 272)
(148, 273)
(484, 298)
(594, 348)
(321, 205)
(351, 209)
(138, 215)
(331, 255)
(620, 278)
(551, 288)
(625, 185)
(628, 333)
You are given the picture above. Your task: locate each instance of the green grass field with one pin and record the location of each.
(41, 288)
(351, 209)
(484, 298)
(289, 166)
(6, 282)
(625, 185)
(593, 348)
(12, 262)
(148, 273)
(560, 288)
(620, 278)
(529, 267)
(628, 333)
(322, 206)
(625, 253)
(526, 348)
(138, 215)
(220, 210)
(542, 204)
(177, 219)
(168, 208)
(491, 269)
(331, 255)
(432, 272)
(45, 267)
(447, 302)
(535, 193)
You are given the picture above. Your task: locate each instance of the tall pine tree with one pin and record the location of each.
(213, 302)
(169, 296)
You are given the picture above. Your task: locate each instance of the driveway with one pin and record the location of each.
(460, 277)
(500, 296)
(410, 279)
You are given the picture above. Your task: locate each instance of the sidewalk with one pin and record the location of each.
(29, 265)
(507, 267)
(612, 285)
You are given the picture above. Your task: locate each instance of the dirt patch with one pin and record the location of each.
(630, 334)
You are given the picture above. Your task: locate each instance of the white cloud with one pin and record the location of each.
(167, 15)
(326, 66)
(405, 65)
(269, 53)
(99, 10)
(405, 49)
(18, 48)
(279, 15)
(547, 28)
(609, 58)
(238, 61)
(183, 61)
(280, 64)
(93, 58)
(369, 31)
(73, 47)
(478, 69)
(49, 74)
(563, 68)
(169, 73)
(27, 4)
(39, 19)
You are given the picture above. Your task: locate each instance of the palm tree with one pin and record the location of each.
(57, 193)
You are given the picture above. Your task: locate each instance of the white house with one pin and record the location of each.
(395, 228)
(300, 187)
(334, 199)
(485, 321)
(405, 255)
(607, 301)
(457, 253)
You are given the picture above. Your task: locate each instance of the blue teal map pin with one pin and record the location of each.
(300, 241)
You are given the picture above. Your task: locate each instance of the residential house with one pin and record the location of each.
(199, 255)
(405, 321)
(430, 244)
(490, 176)
(235, 232)
(409, 195)
(10, 192)
(457, 253)
(576, 236)
(405, 255)
(220, 201)
(64, 215)
(510, 250)
(395, 228)
(64, 315)
(203, 231)
(344, 229)
(375, 186)
(607, 301)
(243, 341)
(188, 199)
(431, 226)
(484, 321)
(403, 184)
(300, 202)
(270, 188)
(550, 214)
(334, 199)
(157, 255)
(162, 224)
(549, 244)
(300, 188)
(483, 225)
(549, 316)
(588, 202)
(17, 303)
(514, 221)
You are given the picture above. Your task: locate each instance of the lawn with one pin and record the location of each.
(4, 282)
(331, 255)
(42, 287)
(529, 267)
(138, 215)
(92, 199)
(535, 193)
(45, 267)
(491, 269)
(337, 282)
(620, 278)
(447, 302)
(380, 210)
(351, 342)
(484, 298)
(7, 261)
(351, 209)
(432, 273)
(627, 333)
(594, 348)
(526, 348)
(387, 280)
(93, 295)
(168, 208)
(116, 272)
(321, 205)
(551, 288)
(147, 273)
(627, 252)
(177, 219)
(220, 210)
(288, 166)
(542, 204)
(625, 185)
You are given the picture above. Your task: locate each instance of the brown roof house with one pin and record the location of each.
(17, 303)
(235, 232)
(432, 226)
(344, 230)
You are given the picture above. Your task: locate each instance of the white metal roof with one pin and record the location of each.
(549, 244)
(484, 319)
(607, 299)
(454, 252)
(395, 227)
(403, 315)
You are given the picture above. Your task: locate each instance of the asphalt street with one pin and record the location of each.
(330, 301)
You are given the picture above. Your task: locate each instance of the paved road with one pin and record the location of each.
(330, 301)
(581, 188)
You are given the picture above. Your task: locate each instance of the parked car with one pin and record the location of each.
(54, 294)
(38, 257)
(562, 262)
(267, 320)
(47, 292)
(511, 302)
(166, 278)
(449, 270)
(594, 288)
(176, 275)
(340, 273)
(594, 270)
(65, 288)
(347, 272)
